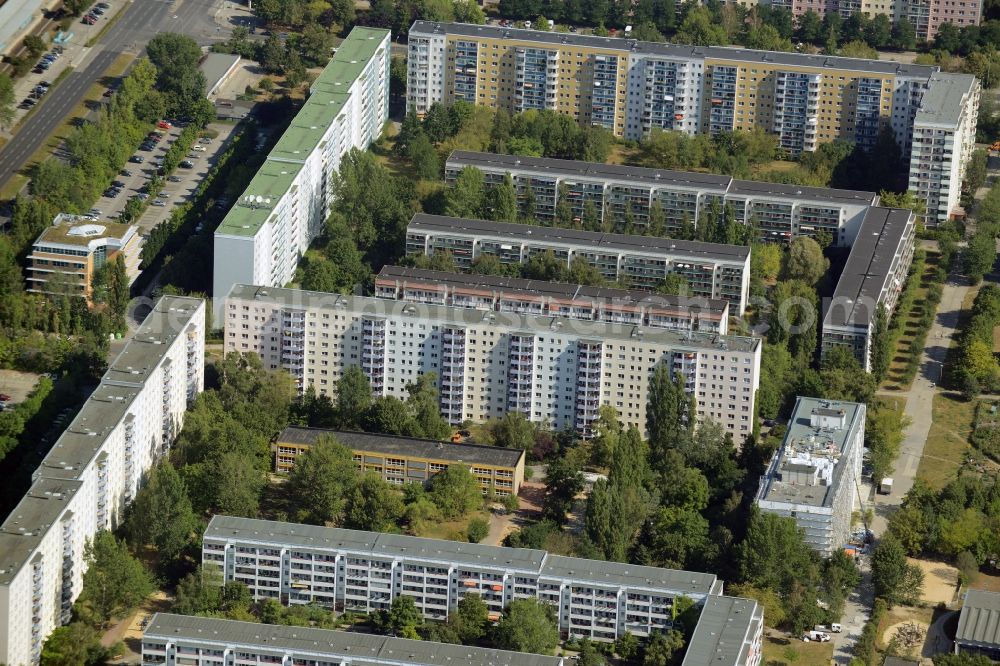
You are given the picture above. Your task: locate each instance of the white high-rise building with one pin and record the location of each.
(93, 471)
(285, 205)
(554, 369)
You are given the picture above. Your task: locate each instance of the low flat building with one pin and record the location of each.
(401, 460)
(93, 471)
(509, 294)
(202, 641)
(365, 571)
(66, 254)
(979, 625)
(711, 270)
(217, 68)
(729, 633)
(814, 475)
(873, 277)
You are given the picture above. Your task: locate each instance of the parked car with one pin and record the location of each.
(95, 211)
(126, 173)
(111, 193)
(103, 5)
(159, 202)
(88, 19)
(198, 149)
(186, 164)
(205, 140)
(163, 124)
(164, 195)
(117, 183)
(137, 159)
(97, 11)
(174, 179)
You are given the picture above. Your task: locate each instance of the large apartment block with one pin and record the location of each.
(285, 205)
(874, 275)
(926, 16)
(944, 136)
(557, 299)
(729, 631)
(779, 211)
(93, 471)
(806, 100)
(365, 571)
(401, 460)
(200, 641)
(711, 270)
(553, 369)
(814, 476)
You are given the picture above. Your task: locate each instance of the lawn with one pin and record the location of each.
(948, 440)
(787, 652)
(452, 530)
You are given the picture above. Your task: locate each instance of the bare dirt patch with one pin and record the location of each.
(940, 581)
(17, 384)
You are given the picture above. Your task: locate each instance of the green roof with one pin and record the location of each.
(327, 97)
(272, 182)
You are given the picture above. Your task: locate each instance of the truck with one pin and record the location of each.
(885, 487)
(834, 628)
(817, 636)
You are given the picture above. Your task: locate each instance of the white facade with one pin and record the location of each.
(814, 477)
(286, 204)
(553, 369)
(944, 136)
(365, 571)
(93, 471)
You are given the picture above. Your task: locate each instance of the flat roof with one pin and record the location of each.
(543, 324)
(511, 286)
(722, 636)
(29, 521)
(346, 646)
(979, 621)
(867, 267)
(470, 454)
(215, 67)
(537, 562)
(943, 102)
(67, 229)
(802, 438)
(328, 94)
(143, 352)
(659, 177)
(598, 240)
(680, 51)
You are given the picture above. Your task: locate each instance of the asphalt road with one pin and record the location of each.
(142, 20)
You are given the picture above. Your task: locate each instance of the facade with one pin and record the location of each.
(93, 471)
(873, 277)
(365, 571)
(505, 294)
(926, 16)
(711, 270)
(401, 460)
(780, 212)
(729, 631)
(285, 205)
(944, 136)
(65, 255)
(979, 625)
(806, 100)
(200, 641)
(552, 369)
(814, 475)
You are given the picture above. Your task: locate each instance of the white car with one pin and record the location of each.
(198, 149)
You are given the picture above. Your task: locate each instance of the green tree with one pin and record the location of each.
(422, 402)
(805, 261)
(477, 530)
(373, 505)
(466, 197)
(670, 412)
(75, 644)
(589, 654)
(7, 99)
(502, 201)
(527, 625)
(858, 49)
(198, 592)
(455, 491)
(881, 345)
(563, 481)
(470, 617)
(564, 211)
(627, 646)
(177, 74)
(320, 480)
(402, 618)
(661, 647)
(354, 397)
(114, 582)
(424, 158)
(315, 44)
(162, 514)
(513, 430)
(893, 578)
(700, 29)
(674, 284)
(774, 554)
(904, 35)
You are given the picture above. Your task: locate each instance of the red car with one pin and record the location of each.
(163, 124)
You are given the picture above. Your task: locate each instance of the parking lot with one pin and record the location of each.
(176, 188)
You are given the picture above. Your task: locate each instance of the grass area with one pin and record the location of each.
(896, 379)
(948, 440)
(452, 530)
(895, 402)
(785, 652)
(94, 94)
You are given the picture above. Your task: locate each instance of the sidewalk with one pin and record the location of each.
(76, 54)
